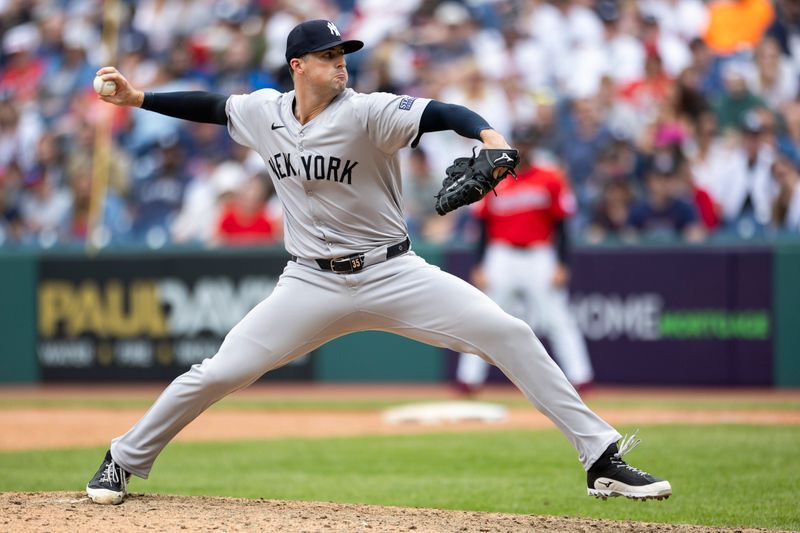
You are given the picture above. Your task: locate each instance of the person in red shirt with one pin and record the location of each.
(22, 72)
(244, 219)
(523, 263)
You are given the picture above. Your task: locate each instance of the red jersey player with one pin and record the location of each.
(523, 267)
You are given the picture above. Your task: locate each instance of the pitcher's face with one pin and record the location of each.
(327, 69)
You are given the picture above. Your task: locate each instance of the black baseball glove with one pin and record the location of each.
(470, 178)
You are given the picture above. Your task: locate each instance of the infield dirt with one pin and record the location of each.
(71, 511)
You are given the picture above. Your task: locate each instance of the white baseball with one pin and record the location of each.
(104, 88)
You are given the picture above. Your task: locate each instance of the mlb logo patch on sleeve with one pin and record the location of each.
(407, 102)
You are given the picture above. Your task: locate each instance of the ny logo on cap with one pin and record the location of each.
(333, 29)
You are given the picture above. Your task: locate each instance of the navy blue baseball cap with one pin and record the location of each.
(314, 36)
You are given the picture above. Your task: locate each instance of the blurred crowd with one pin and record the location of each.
(671, 119)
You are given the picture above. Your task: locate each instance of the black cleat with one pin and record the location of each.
(611, 476)
(110, 484)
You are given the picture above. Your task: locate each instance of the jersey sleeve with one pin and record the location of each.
(246, 114)
(392, 121)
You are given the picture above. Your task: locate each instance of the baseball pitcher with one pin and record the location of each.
(332, 156)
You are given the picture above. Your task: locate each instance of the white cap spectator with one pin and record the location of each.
(451, 14)
(199, 214)
(686, 19)
(228, 177)
(737, 69)
(22, 38)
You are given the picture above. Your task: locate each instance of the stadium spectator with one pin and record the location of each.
(617, 114)
(68, 73)
(583, 72)
(51, 159)
(708, 68)
(689, 100)
(709, 156)
(774, 78)
(664, 212)
(162, 20)
(446, 38)
(19, 131)
(672, 51)
(529, 58)
(616, 163)
(206, 146)
(236, 67)
(80, 150)
(735, 25)
(785, 29)
(585, 137)
(11, 226)
(475, 89)
(737, 100)
(23, 70)
(159, 183)
(685, 187)
(745, 189)
(45, 208)
(115, 222)
(244, 218)
(609, 218)
(626, 52)
(687, 19)
(546, 123)
(788, 136)
(786, 206)
(646, 95)
(191, 61)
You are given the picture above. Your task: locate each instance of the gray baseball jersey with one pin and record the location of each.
(338, 176)
(339, 181)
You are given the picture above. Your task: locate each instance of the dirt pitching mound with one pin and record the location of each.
(72, 511)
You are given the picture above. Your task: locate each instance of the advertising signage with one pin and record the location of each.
(676, 316)
(146, 318)
(671, 316)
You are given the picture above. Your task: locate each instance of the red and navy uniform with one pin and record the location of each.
(526, 211)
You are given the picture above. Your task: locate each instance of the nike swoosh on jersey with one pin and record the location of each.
(274, 127)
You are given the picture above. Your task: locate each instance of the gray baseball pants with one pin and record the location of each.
(404, 295)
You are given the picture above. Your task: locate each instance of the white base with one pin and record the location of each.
(442, 412)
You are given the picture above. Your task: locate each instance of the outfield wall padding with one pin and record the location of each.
(716, 315)
(787, 310)
(18, 276)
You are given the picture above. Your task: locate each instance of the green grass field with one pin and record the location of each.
(724, 475)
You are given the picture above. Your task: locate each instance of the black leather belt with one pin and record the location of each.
(355, 262)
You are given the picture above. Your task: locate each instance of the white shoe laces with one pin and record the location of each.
(112, 475)
(626, 445)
